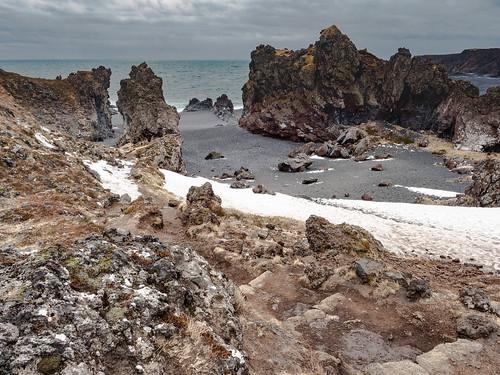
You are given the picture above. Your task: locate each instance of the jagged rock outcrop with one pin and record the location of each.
(117, 304)
(476, 118)
(481, 61)
(196, 105)
(312, 94)
(77, 105)
(149, 120)
(202, 206)
(223, 107)
(485, 188)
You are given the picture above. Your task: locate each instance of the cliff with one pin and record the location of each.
(475, 61)
(313, 94)
(77, 105)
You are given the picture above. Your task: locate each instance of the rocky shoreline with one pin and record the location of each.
(103, 270)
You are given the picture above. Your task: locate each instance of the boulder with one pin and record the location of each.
(475, 298)
(297, 164)
(324, 236)
(239, 185)
(475, 326)
(244, 174)
(377, 168)
(418, 288)
(309, 181)
(261, 189)
(202, 206)
(214, 155)
(195, 105)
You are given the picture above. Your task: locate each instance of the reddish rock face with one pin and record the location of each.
(77, 105)
(310, 95)
(477, 61)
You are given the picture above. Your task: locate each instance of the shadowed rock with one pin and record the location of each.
(77, 105)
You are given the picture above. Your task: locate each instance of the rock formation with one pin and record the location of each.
(149, 120)
(313, 94)
(77, 105)
(476, 61)
(195, 105)
(485, 188)
(223, 107)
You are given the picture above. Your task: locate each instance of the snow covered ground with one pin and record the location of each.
(114, 178)
(470, 234)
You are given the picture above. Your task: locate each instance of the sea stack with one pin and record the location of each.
(149, 120)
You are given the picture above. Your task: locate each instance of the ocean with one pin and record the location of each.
(182, 80)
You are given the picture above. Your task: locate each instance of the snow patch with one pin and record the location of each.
(115, 179)
(44, 141)
(316, 157)
(432, 192)
(320, 170)
(405, 229)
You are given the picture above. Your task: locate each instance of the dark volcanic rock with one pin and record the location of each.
(377, 168)
(239, 185)
(214, 155)
(143, 107)
(202, 206)
(325, 236)
(311, 94)
(367, 269)
(244, 174)
(297, 164)
(475, 326)
(475, 298)
(309, 181)
(223, 107)
(149, 120)
(418, 288)
(195, 105)
(485, 189)
(129, 298)
(261, 189)
(77, 105)
(477, 61)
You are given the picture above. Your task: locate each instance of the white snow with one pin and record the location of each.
(320, 170)
(114, 178)
(432, 192)
(44, 141)
(404, 228)
(316, 157)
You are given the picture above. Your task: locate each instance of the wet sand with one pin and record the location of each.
(202, 134)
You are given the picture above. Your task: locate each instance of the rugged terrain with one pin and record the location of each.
(482, 61)
(102, 270)
(313, 94)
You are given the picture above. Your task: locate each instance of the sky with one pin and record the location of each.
(230, 29)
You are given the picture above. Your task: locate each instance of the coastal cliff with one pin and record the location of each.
(471, 61)
(313, 94)
(77, 104)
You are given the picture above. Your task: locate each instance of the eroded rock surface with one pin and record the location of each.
(149, 120)
(312, 94)
(78, 104)
(485, 188)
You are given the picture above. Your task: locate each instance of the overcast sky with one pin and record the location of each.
(221, 29)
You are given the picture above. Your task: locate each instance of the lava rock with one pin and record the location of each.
(261, 189)
(475, 326)
(195, 105)
(214, 155)
(298, 164)
(377, 168)
(418, 288)
(309, 181)
(239, 185)
(475, 298)
(244, 174)
(367, 269)
(366, 197)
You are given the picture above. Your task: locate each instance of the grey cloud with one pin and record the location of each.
(218, 29)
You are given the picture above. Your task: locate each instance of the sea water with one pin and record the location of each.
(182, 80)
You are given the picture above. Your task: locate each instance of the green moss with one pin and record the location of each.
(49, 364)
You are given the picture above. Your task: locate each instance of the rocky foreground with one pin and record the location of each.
(313, 94)
(103, 271)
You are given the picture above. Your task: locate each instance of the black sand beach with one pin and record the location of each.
(203, 133)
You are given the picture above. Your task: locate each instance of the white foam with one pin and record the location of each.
(405, 229)
(115, 179)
